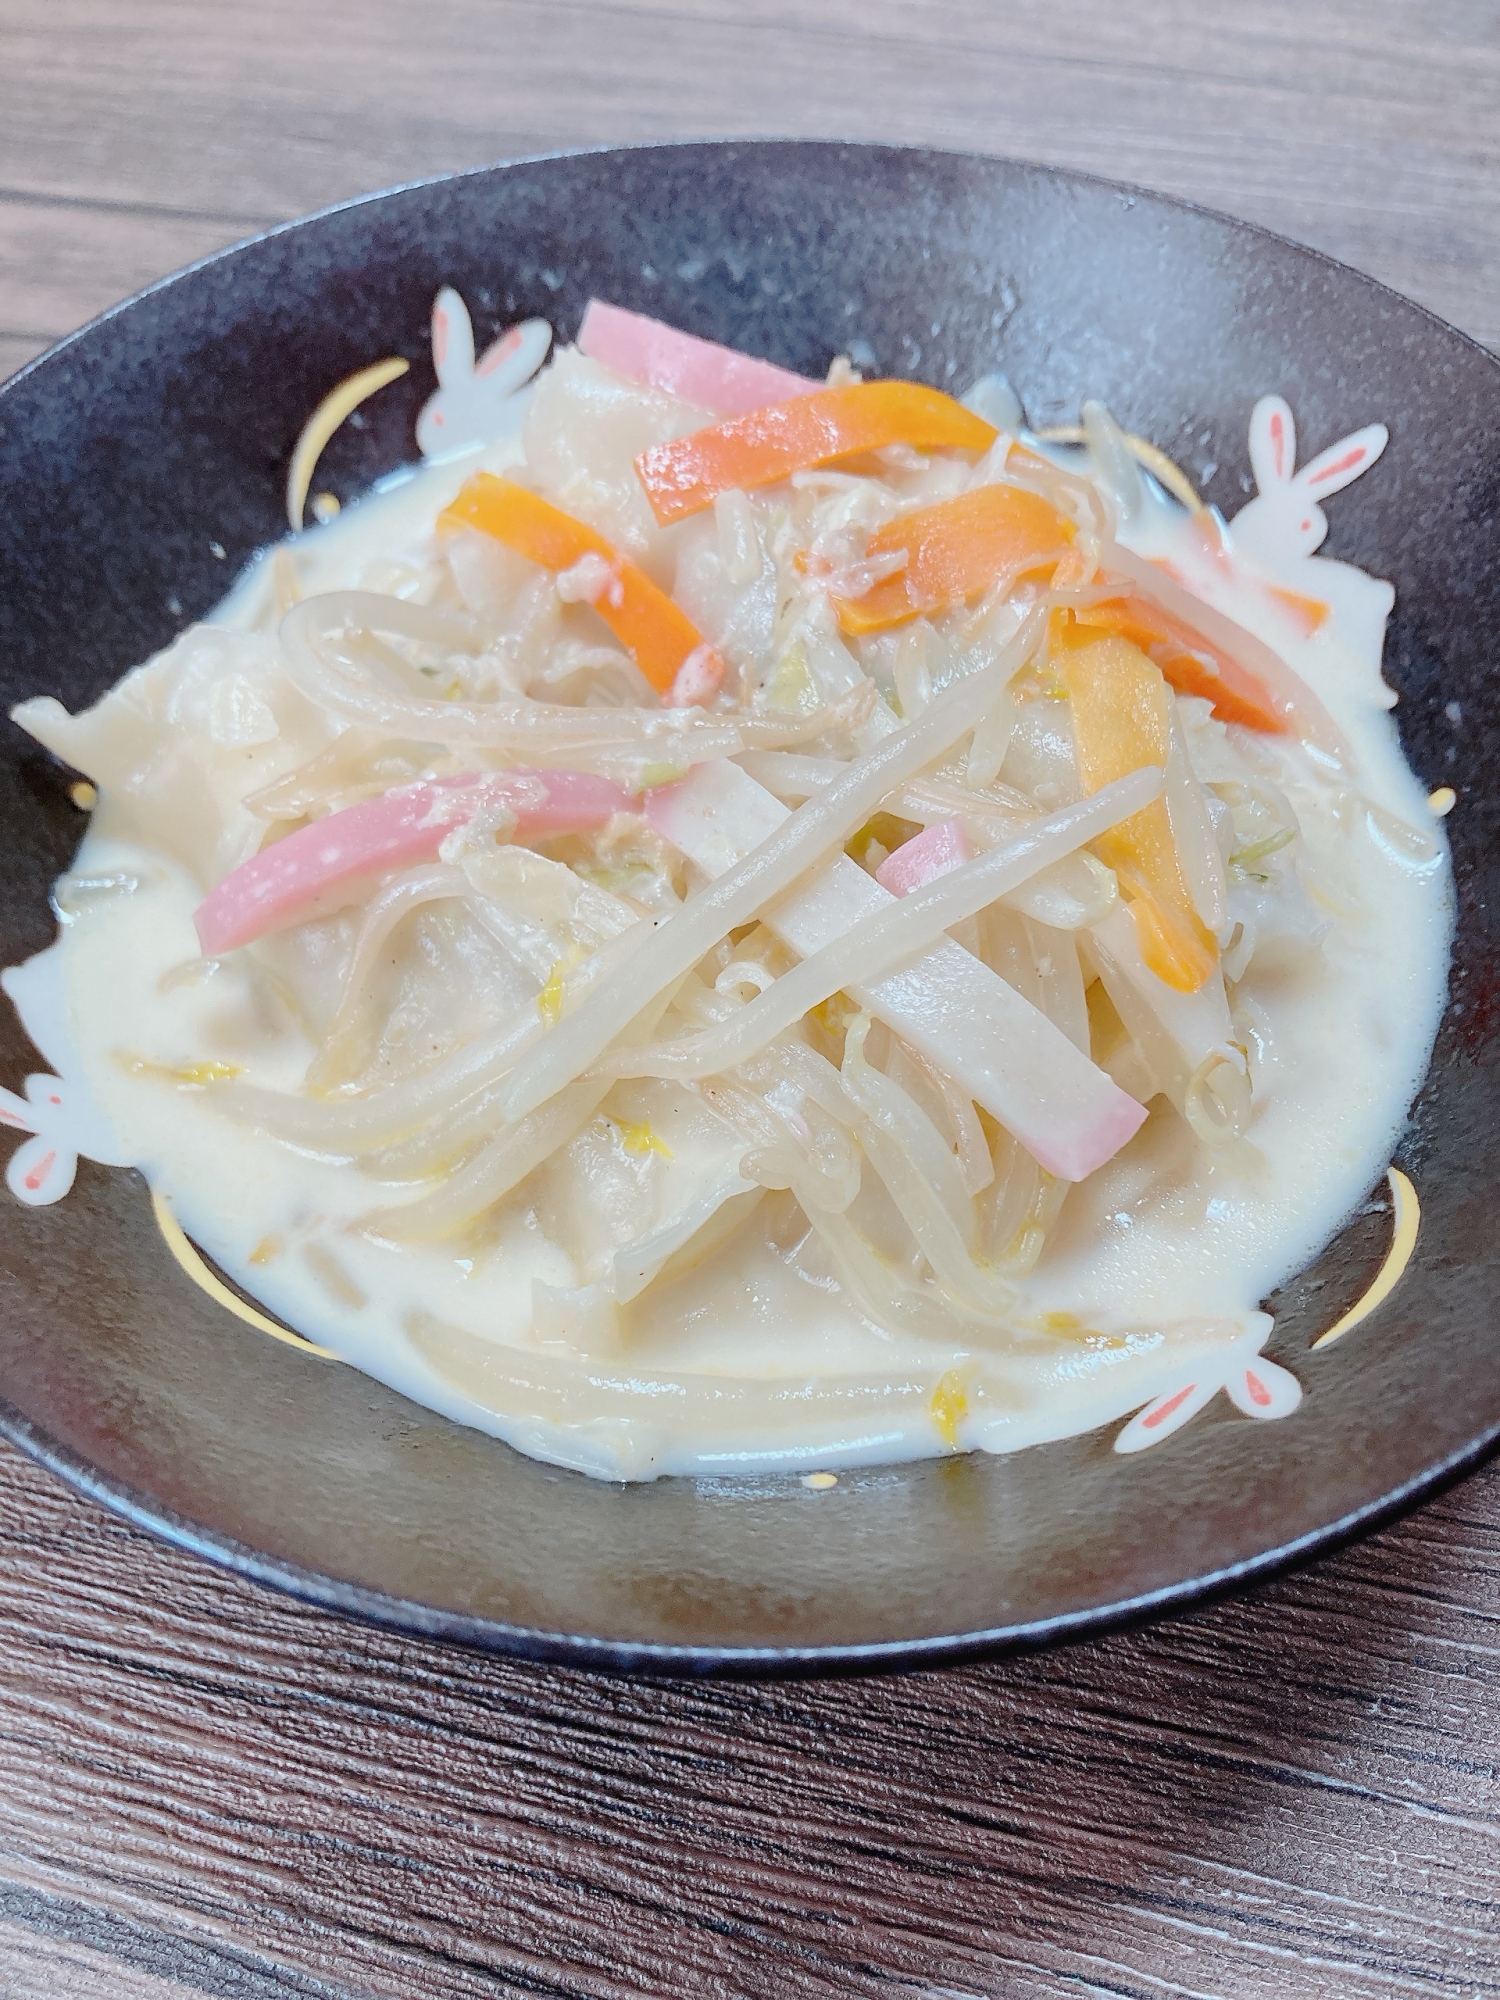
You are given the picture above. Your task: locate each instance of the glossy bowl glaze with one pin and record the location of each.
(143, 460)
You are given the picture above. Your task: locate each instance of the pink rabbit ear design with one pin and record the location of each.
(1168, 1413)
(66, 1126)
(1256, 1386)
(468, 406)
(452, 339)
(1332, 470)
(16, 1112)
(498, 351)
(1261, 1389)
(42, 1170)
(1273, 443)
(511, 361)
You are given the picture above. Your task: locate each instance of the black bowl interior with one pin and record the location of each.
(142, 462)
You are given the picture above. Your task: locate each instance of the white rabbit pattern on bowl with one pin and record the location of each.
(58, 1111)
(1256, 1385)
(465, 407)
(1283, 525)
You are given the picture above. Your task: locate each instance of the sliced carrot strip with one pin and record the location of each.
(1309, 612)
(957, 549)
(1203, 629)
(658, 635)
(1170, 945)
(1121, 721)
(689, 473)
(1188, 661)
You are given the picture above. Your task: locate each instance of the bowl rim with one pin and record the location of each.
(1137, 190)
(410, 1616)
(652, 1659)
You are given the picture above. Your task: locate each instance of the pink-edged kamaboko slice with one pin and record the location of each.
(336, 861)
(1005, 1053)
(700, 371)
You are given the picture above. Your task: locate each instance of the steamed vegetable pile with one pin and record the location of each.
(759, 786)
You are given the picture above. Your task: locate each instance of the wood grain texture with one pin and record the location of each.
(208, 1789)
(1288, 1795)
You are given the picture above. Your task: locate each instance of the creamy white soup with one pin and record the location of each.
(731, 922)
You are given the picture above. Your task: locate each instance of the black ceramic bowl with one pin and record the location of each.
(142, 462)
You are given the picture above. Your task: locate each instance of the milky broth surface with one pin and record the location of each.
(753, 1357)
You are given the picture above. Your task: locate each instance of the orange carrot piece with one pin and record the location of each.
(1202, 629)
(687, 474)
(1309, 612)
(1121, 721)
(658, 635)
(957, 549)
(1188, 661)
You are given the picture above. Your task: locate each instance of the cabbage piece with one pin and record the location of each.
(585, 427)
(639, 1183)
(181, 743)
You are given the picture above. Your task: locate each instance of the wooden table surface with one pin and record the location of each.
(207, 1789)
